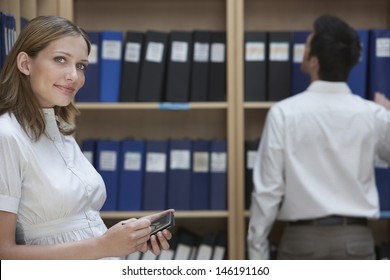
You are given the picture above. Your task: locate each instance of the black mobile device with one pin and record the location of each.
(166, 221)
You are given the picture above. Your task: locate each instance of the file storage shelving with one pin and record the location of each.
(145, 120)
(282, 15)
(234, 119)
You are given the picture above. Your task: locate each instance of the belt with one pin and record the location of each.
(330, 221)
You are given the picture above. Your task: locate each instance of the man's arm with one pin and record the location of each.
(268, 177)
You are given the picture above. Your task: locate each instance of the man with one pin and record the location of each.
(314, 167)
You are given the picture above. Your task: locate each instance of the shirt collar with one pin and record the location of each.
(329, 87)
(52, 130)
(48, 113)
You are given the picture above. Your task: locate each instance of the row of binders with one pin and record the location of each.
(186, 245)
(273, 64)
(183, 174)
(382, 176)
(155, 66)
(186, 66)
(7, 35)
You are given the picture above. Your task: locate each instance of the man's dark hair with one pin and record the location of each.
(337, 47)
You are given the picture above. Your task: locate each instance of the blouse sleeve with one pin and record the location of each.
(10, 173)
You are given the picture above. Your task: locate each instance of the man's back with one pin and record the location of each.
(327, 137)
(315, 164)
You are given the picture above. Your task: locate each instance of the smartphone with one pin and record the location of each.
(166, 221)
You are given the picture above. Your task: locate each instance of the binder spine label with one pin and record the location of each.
(108, 161)
(382, 47)
(201, 162)
(154, 52)
(180, 159)
(155, 162)
(111, 50)
(279, 51)
(217, 53)
(179, 51)
(93, 55)
(255, 51)
(132, 161)
(299, 50)
(218, 162)
(201, 52)
(174, 106)
(133, 52)
(183, 252)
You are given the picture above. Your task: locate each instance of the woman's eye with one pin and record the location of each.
(59, 59)
(81, 66)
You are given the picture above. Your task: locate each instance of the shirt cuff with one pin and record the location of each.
(9, 204)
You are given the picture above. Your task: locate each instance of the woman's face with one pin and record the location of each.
(57, 72)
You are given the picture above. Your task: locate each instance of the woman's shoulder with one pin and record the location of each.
(9, 126)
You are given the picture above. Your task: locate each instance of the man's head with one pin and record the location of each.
(332, 49)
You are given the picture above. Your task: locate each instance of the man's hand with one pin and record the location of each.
(381, 99)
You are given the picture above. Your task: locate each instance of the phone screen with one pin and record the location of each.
(163, 222)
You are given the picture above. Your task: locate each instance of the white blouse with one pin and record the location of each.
(49, 184)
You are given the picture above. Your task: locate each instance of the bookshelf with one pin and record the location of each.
(279, 15)
(158, 121)
(234, 119)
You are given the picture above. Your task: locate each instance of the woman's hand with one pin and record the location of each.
(127, 237)
(158, 241)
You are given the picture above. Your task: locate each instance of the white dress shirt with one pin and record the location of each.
(49, 184)
(316, 159)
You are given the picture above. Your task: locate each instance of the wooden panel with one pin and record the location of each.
(29, 9)
(4, 5)
(65, 9)
(299, 14)
(239, 129)
(151, 124)
(150, 14)
(254, 122)
(47, 7)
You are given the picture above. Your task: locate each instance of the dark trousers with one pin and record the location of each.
(326, 242)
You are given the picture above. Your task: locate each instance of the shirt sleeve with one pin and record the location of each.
(10, 174)
(383, 125)
(268, 177)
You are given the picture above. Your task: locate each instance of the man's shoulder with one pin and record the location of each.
(292, 101)
(371, 105)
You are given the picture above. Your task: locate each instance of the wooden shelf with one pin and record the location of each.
(258, 105)
(383, 214)
(178, 214)
(152, 106)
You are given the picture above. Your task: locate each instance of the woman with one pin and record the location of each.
(50, 195)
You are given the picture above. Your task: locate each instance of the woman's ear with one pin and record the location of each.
(23, 62)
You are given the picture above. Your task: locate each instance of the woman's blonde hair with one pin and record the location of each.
(16, 95)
